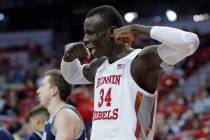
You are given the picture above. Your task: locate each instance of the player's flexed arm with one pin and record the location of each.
(72, 70)
(176, 45)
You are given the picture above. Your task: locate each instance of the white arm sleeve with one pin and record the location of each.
(73, 72)
(176, 44)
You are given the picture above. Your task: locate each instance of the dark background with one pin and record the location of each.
(68, 15)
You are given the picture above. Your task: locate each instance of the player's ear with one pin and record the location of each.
(54, 90)
(38, 122)
(112, 28)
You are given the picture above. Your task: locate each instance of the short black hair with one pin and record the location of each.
(56, 79)
(109, 14)
(39, 110)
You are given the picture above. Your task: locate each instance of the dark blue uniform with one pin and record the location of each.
(48, 133)
(5, 135)
(36, 136)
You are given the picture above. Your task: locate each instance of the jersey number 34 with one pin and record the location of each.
(105, 98)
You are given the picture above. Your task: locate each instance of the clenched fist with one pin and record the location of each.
(125, 34)
(75, 50)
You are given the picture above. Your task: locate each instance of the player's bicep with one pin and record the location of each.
(64, 127)
(145, 68)
(88, 73)
(149, 56)
(64, 134)
(90, 70)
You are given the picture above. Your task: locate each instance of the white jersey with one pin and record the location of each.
(118, 100)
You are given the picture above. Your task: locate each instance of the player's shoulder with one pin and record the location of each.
(89, 70)
(148, 58)
(98, 61)
(151, 49)
(66, 119)
(67, 115)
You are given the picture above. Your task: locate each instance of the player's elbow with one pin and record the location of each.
(191, 41)
(65, 72)
(67, 78)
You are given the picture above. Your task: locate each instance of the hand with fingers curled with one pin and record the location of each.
(75, 50)
(125, 34)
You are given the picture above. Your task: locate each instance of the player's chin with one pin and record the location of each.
(97, 55)
(44, 105)
(41, 103)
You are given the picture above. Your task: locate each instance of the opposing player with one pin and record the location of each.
(37, 118)
(65, 122)
(125, 79)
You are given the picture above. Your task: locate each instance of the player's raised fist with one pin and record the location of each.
(75, 50)
(125, 34)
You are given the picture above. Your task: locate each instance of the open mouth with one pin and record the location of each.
(91, 48)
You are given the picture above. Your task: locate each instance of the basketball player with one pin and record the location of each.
(37, 118)
(126, 79)
(65, 122)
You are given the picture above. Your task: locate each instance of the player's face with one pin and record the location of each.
(98, 36)
(33, 123)
(44, 92)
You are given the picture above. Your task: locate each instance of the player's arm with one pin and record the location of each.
(176, 45)
(89, 70)
(66, 125)
(71, 68)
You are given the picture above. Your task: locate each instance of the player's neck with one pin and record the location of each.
(55, 105)
(118, 54)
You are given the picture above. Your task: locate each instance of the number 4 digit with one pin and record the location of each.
(108, 97)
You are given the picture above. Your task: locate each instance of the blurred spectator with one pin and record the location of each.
(83, 101)
(11, 108)
(5, 135)
(15, 129)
